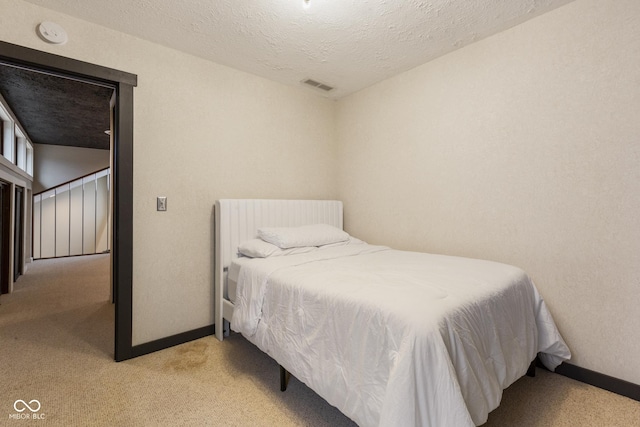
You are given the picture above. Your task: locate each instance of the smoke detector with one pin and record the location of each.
(52, 32)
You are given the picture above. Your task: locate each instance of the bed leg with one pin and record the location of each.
(531, 372)
(284, 378)
(226, 328)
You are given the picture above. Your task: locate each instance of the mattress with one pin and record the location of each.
(232, 278)
(397, 338)
(232, 282)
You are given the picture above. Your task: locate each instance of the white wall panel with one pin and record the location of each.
(37, 202)
(89, 215)
(102, 210)
(48, 225)
(62, 220)
(75, 218)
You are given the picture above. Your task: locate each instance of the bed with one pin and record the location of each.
(388, 337)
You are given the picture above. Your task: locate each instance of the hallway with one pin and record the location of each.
(62, 304)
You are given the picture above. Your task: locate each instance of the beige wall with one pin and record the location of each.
(522, 148)
(57, 164)
(201, 132)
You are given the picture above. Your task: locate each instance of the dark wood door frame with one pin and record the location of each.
(18, 232)
(122, 156)
(5, 236)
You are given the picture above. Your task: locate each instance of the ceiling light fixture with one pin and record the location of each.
(305, 4)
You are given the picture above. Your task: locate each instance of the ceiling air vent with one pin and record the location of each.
(317, 85)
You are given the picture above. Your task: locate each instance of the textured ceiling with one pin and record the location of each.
(56, 110)
(347, 44)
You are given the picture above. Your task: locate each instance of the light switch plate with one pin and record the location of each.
(162, 203)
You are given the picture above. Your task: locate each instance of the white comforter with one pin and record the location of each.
(396, 338)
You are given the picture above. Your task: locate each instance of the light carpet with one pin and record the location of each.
(56, 347)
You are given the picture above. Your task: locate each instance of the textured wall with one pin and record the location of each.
(521, 148)
(202, 131)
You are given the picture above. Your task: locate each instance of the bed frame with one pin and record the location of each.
(237, 220)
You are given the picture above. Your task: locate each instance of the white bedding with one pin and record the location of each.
(232, 280)
(396, 338)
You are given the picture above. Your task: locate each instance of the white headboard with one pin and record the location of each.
(237, 220)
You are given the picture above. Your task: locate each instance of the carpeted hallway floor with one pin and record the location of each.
(56, 346)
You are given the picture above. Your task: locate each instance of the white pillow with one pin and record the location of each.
(257, 248)
(306, 235)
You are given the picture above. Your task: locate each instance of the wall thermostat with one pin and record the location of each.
(52, 32)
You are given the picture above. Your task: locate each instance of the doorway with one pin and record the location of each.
(122, 171)
(18, 249)
(5, 230)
